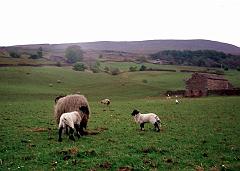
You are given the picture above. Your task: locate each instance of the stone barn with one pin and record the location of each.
(200, 83)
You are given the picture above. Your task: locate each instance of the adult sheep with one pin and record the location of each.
(71, 103)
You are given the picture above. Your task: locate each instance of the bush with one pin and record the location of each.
(79, 66)
(14, 55)
(106, 69)
(114, 71)
(238, 69)
(144, 81)
(95, 67)
(58, 64)
(133, 68)
(34, 56)
(143, 68)
(226, 68)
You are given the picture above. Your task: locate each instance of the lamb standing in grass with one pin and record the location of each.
(145, 118)
(71, 120)
(105, 101)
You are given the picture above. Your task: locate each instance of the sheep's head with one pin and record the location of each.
(135, 112)
(57, 98)
(84, 110)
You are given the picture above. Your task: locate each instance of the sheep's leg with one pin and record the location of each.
(81, 130)
(142, 126)
(77, 127)
(71, 137)
(83, 124)
(156, 126)
(67, 130)
(60, 134)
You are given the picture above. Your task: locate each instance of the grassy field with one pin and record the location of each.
(197, 134)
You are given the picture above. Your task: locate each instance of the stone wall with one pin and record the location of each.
(217, 84)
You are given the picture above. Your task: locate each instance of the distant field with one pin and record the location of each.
(197, 134)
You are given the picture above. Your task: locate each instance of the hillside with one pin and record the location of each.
(153, 46)
(128, 51)
(145, 47)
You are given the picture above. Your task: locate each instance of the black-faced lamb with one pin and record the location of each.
(71, 120)
(147, 118)
(71, 103)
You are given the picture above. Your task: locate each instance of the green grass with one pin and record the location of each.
(124, 66)
(197, 133)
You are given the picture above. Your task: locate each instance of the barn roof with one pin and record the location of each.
(211, 76)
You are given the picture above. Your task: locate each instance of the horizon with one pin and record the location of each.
(57, 22)
(122, 42)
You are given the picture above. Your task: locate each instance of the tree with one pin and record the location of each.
(143, 68)
(95, 67)
(132, 68)
(14, 52)
(40, 52)
(142, 59)
(79, 66)
(114, 71)
(106, 69)
(14, 55)
(73, 54)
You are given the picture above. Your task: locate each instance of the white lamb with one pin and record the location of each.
(105, 101)
(145, 118)
(71, 120)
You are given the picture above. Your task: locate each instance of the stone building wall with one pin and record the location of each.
(217, 84)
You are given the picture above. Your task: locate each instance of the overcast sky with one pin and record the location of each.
(65, 21)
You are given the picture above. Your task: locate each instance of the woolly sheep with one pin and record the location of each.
(147, 118)
(71, 120)
(105, 101)
(71, 103)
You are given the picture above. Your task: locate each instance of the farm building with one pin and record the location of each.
(201, 83)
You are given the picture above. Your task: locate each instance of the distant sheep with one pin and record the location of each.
(147, 118)
(105, 101)
(72, 103)
(176, 101)
(71, 120)
(168, 96)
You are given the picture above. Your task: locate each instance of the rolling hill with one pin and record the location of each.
(144, 47)
(126, 51)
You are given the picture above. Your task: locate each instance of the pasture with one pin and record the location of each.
(197, 134)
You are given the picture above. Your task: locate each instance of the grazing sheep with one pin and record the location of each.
(71, 103)
(145, 118)
(105, 101)
(176, 101)
(71, 120)
(168, 96)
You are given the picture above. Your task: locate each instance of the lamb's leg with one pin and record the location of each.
(60, 134)
(71, 137)
(157, 126)
(77, 127)
(142, 126)
(66, 129)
